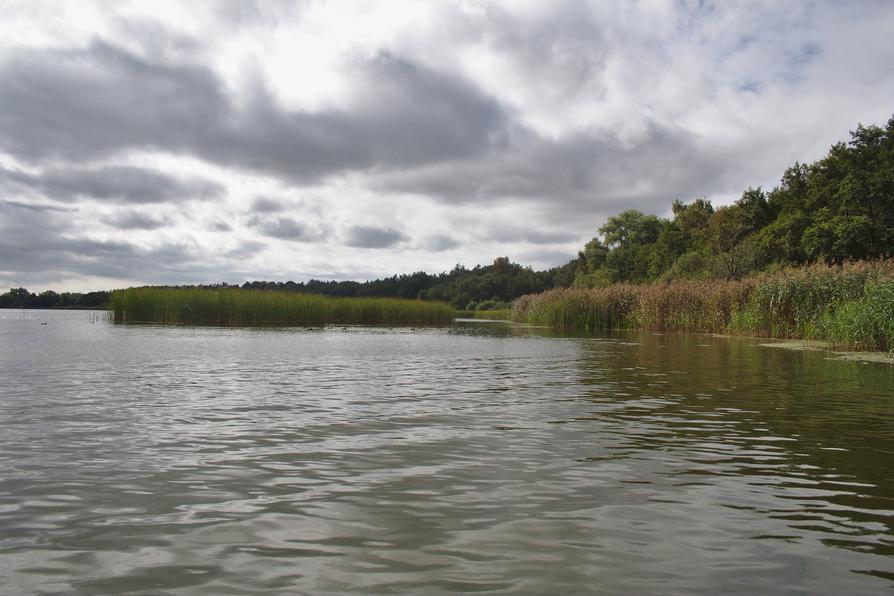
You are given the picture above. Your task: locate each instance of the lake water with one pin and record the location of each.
(478, 458)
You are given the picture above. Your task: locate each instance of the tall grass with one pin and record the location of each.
(235, 306)
(851, 305)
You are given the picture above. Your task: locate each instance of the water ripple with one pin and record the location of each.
(164, 460)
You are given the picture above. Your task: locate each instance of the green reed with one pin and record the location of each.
(850, 305)
(235, 306)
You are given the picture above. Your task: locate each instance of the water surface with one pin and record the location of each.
(478, 458)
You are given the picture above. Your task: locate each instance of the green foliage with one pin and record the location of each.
(630, 228)
(834, 238)
(693, 220)
(599, 278)
(493, 304)
(690, 265)
(629, 239)
(594, 254)
(234, 306)
(755, 209)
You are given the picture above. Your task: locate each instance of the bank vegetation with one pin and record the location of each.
(850, 305)
(236, 306)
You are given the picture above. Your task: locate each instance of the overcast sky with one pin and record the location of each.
(186, 142)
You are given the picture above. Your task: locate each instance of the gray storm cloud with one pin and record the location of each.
(286, 228)
(373, 237)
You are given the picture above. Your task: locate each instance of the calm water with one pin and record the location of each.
(177, 460)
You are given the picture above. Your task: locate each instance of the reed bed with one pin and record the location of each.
(851, 305)
(239, 307)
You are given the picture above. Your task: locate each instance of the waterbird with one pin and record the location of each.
(44, 323)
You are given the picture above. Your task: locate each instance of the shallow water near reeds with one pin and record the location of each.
(478, 458)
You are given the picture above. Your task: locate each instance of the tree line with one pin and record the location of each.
(480, 288)
(837, 209)
(22, 298)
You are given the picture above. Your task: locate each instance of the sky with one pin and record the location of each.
(170, 142)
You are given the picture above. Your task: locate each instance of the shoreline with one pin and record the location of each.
(808, 345)
(801, 345)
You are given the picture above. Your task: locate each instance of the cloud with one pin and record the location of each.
(135, 220)
(517, 233)
(36, 207)
(440, 242)
(220, 226)
(406, 115)
(266, 205)
(92, 102)
(99, 100)
(40, 247)
(373, 237)
(581, 174)
(246, 250)
(116, 184)
(286, 228)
